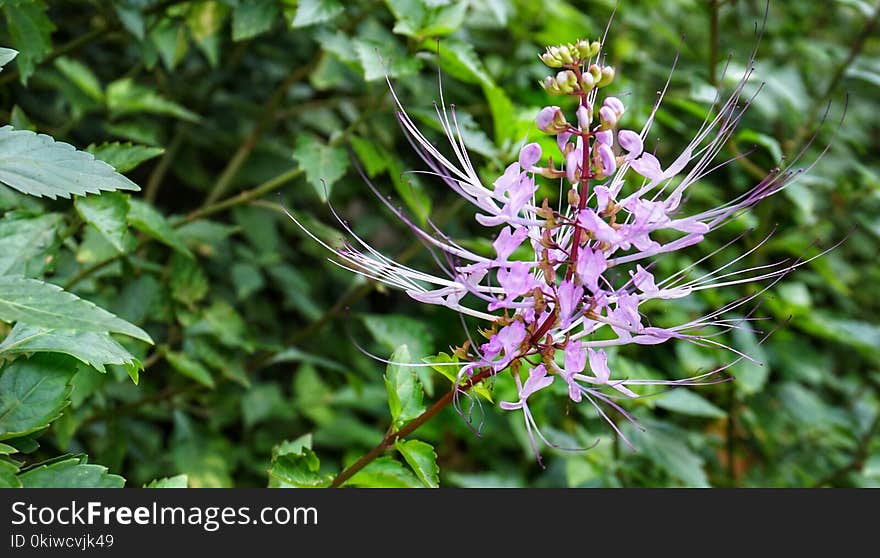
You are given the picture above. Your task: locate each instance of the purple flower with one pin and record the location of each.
(581, 281)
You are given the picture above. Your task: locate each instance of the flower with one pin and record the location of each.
(589, 267)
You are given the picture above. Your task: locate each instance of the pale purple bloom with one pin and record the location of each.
(585, 267)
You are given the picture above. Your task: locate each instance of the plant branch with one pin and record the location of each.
(410, 427)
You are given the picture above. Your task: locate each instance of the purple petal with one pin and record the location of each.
(571, 165)
(609, 163)
(529, 155)
(630, 141)
(648, 166)
(575, 358)
(599, 364)
(614, 104)
(546, 116)
(508, 241)
(605, 137)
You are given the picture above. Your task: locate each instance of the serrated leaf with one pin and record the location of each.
(30, 31)
(177, 481)
(124, 156)
(38, 165)
(253, 18)
(384, 472)
(417, 18)
(70, 473)
(394, 330)
(109, 214)
(423, 460)
(92, 348)
(7, 55)
(33, 392)
(295, 465)
(323, 164)
(404, 389)
(40, 304)
(81, 76)
(310, 12)
(149, 221)
(124, 96)
(190, 368)
(23, 243)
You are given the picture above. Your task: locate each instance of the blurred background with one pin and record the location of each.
(239, 105)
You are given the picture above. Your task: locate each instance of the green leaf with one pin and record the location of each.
(190, 368)
(124, 156)
(187, 281)
(38, 165)
(30, 31)
(109, 214)
(8, 478)
(767, 142)
(177, 481)
(46, 305)
(124, 96)
(310, 12)
(81, 76)
(253, 18)
(419, 18)
(73, 472)
(451, 373)
(7, 55)
(460, 60)
(323, 165)
(373, 158)
(92, 348)
(23, 243)
(33, 392)
(149, 221)
(295, 465)
(384, 472)
(687, 402)
(502, 110)
(404, 389)
(423, 460)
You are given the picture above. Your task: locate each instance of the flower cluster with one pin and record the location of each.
(548, 289)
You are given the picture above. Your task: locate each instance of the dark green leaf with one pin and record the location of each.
(24, 242)
(178, 481)
(74, 472)
(124, 156)
(30, 31)
(33, 392)
(109, 214)
(190, 368)
(40, 304)
(146, 219)
(384, 472)
(323, 165)
(310, 12)
(38, 165)
(404, 389)
(93, 348)
(423, 460)
(253, 18)
(127, 97)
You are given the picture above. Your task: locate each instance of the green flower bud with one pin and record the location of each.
(595, 47)
(607, 76)
(596, 72)
(550, 61)
(565, 55)
(587, 82)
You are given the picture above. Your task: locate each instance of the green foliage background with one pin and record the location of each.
(215, 108)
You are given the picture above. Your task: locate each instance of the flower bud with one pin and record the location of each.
(585, 117)
(595, 72)
(587, 82)
(583, 49)
(605, 158)
(551, 120)
(550, 61)
(595, 47)
(574, 199)
(607, 117)
(565, 55)
(607, 76)
(616, 105)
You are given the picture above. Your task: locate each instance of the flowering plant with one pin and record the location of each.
(567, 280)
